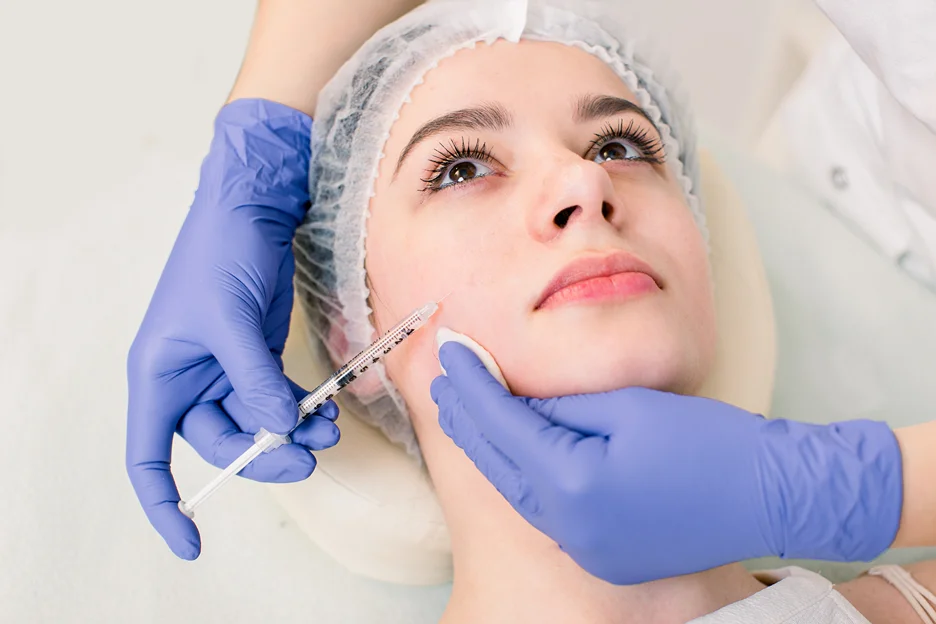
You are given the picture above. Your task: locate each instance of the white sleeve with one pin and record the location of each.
(896, 39)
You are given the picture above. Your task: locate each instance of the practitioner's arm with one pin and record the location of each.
(918, 518)
(296, 47)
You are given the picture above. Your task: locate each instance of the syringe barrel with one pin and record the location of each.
(318, 397)
(360, 363)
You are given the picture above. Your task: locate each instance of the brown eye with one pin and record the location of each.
(462, 172)
(613, 151)
(616, 150)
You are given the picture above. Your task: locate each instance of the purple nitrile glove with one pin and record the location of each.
(637, 484)
(207, 361)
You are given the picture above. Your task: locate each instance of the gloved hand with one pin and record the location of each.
(207, 359)
(637, 484)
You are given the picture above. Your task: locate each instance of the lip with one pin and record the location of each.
(617, 275)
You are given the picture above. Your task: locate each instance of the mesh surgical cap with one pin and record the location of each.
(353, 120)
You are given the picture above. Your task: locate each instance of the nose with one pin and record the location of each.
(573, 193)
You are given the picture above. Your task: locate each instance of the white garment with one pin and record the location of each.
(798, 596)
(859, 127)
(897, 41)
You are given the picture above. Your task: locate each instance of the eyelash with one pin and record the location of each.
(649, 144)
(447, 155)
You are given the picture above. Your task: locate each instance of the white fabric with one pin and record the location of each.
(795, 596)
(897, 41)
(859, 127)
(355, 113)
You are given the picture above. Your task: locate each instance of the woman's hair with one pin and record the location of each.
(355, 113)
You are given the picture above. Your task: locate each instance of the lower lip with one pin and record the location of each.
(617, 287)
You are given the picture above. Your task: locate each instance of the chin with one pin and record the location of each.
(656, 357)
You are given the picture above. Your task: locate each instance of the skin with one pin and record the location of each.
(296, 46)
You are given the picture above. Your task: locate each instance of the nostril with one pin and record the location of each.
(562, 217)
(607, 210)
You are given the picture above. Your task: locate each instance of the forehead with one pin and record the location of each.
(529, 78)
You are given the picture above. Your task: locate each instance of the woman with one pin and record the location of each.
(545, 184)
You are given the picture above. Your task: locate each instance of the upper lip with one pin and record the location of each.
(592, 266)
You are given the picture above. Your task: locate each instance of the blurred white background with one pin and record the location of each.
(106, 111)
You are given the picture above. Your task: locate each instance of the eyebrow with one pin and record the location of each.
(590, 107)
(493, 116)
(489, 116)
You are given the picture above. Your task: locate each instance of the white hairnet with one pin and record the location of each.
(353, 120)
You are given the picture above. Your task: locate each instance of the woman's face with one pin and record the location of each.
(523, 180)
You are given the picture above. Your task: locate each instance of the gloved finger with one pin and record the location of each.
(328, 410)
(298, 391)
(150, 425)
(218, 441)
(159, 497)
(523, 435)
(157, 492)
(316, 433)
(260, 385)
(578, 413)
(497, 468)
(246, 419)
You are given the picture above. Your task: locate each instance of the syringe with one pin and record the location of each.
(264, 441)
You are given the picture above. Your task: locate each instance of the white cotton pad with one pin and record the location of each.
(447, 335)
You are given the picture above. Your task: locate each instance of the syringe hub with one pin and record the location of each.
(268, 441)
(427, 310)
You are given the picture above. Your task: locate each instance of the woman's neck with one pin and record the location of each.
(507, 571)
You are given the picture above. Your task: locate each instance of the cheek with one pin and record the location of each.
(692, 271)
(667, 232)
(459, 249)
(691, 283)
(419, 269)
(401, 279)
(417, 258)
